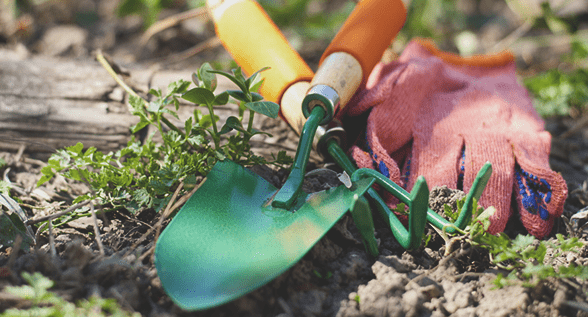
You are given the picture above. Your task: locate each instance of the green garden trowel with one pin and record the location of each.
(228, 240)
(238, 232)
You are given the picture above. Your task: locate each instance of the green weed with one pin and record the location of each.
(556, 92)
(523, 256)
(48, 304)
(146, 174)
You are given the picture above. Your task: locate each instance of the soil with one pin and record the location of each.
(336, 278)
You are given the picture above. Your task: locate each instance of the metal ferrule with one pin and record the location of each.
(322, 96)
(332, 131)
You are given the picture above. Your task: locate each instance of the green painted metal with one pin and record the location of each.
(465, 214)
(362, 216)
(227, 240)
(435, 219)
(286, 197)
(417, 201)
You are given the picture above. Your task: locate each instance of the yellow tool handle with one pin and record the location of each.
(254, 41)
(356, 49)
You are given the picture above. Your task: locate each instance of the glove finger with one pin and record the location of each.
(496, 149)
(445, 159)
(540, 192)
(435, 156)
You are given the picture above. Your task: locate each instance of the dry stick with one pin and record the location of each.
(513, 37)
(57, 215)
(38, 235)
(97, 230)
(182, 200)
(577, 127)
(102, 60)
(165, 214)
(169, 22)
(52, 240)
(21, 150)
(200, 47)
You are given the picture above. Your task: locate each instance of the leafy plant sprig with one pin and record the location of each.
(146, 174)
(523, 257)
(48, 304)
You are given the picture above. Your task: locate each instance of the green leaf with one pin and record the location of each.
(208, 78)
(128, 7)
(76, 148)
(188, 126)
(206, 121)
(268, 108)
(11, 226)
(522, 241)
(73, 174)
(178, 87)
(155, 92)
(238, 73)
(170, 112)
(5, 187)
(255, 78)
(237, 94)
(256, 97)
(232, 123)
(239, 83)
(137, 106)
(140, 125)
(154, 106)
(221, 99)
(199, 95)
(2, 162)
(256, 84)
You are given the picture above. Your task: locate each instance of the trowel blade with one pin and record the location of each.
(226, 241)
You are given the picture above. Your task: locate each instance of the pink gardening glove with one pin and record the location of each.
(459, 113)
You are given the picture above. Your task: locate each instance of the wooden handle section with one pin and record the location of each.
(291, 105)
(254, 41)
(368, 31)
(342, 72)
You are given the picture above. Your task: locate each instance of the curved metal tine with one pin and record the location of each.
(287, 195)
(417, 201)
(362, 216)
(465, 214)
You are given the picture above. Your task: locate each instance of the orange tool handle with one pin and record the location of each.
(353, 53)
(368, 31)
(254, 41)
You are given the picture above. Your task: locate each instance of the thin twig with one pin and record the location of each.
(200, 47)
(38, 235)
(577, 305)
(513, 37)
(163, 216)
(18, 155)
(169, 22)
(185, 198)
(166, 213)
(102, 60)
(57, 215)
(578, 126)
(52, 240)
(97, 230)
